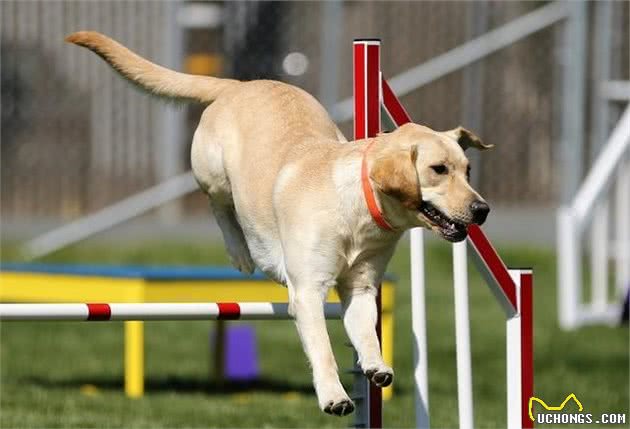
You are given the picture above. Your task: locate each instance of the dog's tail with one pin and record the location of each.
(151, 77)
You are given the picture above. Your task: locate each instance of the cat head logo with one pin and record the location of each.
(552, 408)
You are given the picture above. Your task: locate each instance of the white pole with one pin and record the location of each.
(513, 361)
(599, 257)
(622, 264)
(601, 63)
(462, 336)
(569, 270)
(419, 329)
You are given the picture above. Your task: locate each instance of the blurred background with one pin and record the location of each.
(545, 82)
(77, 138)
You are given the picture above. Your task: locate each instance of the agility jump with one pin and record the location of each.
(512, 288)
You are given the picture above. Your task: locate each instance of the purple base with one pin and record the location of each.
(240, 354)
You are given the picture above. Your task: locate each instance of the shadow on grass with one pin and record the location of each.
(178, 384)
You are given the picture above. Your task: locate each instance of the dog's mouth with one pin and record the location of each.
(450, 229)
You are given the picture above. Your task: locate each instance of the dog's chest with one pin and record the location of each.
(367, 245)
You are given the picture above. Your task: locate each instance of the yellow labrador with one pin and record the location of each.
(291, 195)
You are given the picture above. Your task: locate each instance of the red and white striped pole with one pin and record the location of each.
(155, 311)
(367, 123)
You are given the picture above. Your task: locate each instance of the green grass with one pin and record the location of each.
(46, 366)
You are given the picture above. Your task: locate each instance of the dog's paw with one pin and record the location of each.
(341, 407)
(333, 399)
(381, 376)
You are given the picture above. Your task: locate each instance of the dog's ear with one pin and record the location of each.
(467, 139)
(394, 174)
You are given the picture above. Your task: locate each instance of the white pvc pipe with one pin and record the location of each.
(43, 312)
(569, 269)
(419, 329)
(513, 361)
(599, 257)
(622, 233)
(462, 336)
(153, 311)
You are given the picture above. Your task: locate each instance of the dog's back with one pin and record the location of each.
(253, 140)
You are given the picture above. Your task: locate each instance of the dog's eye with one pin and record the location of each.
(440, 169)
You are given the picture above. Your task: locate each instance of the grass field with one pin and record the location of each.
(70, 375)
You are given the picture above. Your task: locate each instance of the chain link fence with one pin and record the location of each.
(76, 137)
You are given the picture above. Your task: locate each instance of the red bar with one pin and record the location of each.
(527, 347)
(367, 123)
(394, 108)
(360, 131)
(99, 311)
(373, 98)
(229, 311)
(493, 261)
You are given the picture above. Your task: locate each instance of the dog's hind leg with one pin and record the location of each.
(207, 164)
(233, 236)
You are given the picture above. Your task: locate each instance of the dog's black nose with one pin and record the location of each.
(479, 211)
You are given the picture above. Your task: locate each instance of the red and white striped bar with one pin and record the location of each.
(155, 311)
(367, 123)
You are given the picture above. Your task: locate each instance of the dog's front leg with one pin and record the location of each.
(359, 319)
(307, 306)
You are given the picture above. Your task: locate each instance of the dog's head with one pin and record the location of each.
(423, 175)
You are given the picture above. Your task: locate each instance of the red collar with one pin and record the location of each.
(368, 193)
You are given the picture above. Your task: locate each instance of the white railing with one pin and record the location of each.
(612, 165)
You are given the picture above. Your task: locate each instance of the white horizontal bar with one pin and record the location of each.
(160, 311)
(43, 312)
(154, 311)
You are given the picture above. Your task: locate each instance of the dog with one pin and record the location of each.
(310, 209)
